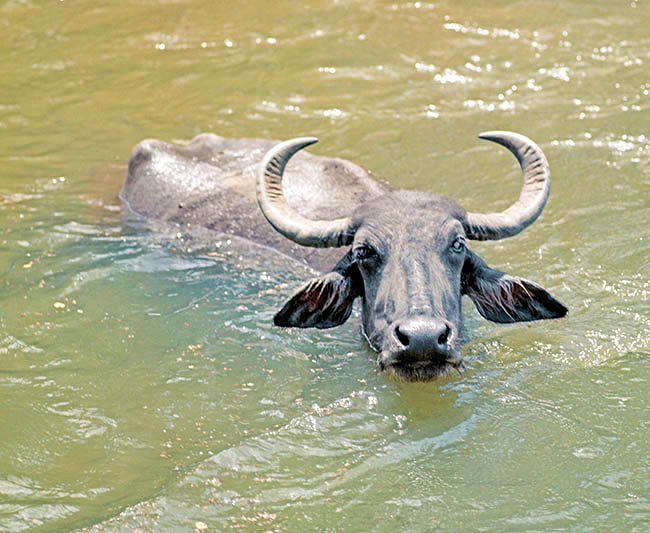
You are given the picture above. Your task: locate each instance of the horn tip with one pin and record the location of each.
(292, 145)
(306, 141)
(501, 136)
(489, 135)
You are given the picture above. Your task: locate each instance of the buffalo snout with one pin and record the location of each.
(422, 337)
(420, 345)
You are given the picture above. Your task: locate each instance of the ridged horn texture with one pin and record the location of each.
(532, 199)
(287, 221)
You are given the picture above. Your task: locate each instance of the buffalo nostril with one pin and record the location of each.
(444, 337)
(403, 339)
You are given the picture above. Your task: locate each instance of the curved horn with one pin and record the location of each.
(532, 199)
(286, 220)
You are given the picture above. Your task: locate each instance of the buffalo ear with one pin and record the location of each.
(324, 302)
(500, 297)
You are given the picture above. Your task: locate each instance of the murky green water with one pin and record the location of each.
(143, 386)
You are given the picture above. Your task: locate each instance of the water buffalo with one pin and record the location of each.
(405, 257)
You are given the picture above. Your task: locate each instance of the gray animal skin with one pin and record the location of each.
(210, 183)
(405, 256)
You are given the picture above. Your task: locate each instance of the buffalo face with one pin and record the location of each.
(409, 263)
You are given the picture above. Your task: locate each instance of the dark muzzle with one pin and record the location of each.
(420, 339)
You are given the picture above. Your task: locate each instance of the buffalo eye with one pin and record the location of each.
(458, 245)
(365, 254)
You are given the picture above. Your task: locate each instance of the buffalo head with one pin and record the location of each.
(409, 263)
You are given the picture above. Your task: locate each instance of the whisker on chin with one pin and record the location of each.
(371, 340)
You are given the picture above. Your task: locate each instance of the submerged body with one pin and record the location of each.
(210, 183)
(406, 254)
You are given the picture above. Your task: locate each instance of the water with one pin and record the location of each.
(142, 385)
